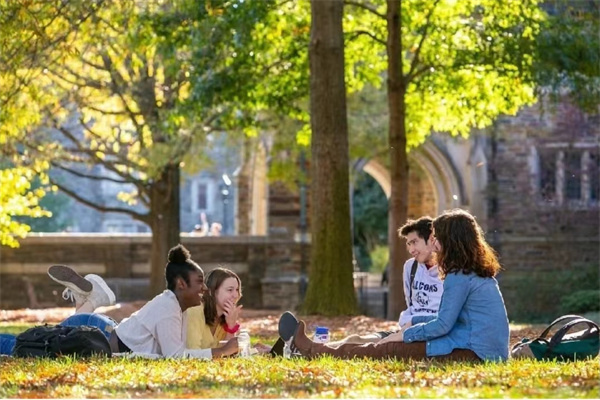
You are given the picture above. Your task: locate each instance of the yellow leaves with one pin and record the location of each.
(251, 131)
(129, 198)
(303, 135)
(213, 11)
(184, 90)
(17, 200)
(146, 136)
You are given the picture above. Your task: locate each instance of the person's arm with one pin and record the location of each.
(228, 349)
(456, 290)
(419, 319)
(169, 338)
(405, 316)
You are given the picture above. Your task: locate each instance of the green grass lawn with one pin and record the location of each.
(262, 376)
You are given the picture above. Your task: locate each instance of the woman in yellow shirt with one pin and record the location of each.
(217, 317)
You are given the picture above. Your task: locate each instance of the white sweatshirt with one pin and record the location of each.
(159, 328)
(426, 293)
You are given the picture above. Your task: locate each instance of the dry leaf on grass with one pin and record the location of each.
(261, 323)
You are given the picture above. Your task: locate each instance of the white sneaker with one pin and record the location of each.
(101, 294)
(67, 276)
(77, 287)
(75, 297)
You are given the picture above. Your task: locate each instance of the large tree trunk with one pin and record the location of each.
(330, 289)
(398, 205)
(164, 221)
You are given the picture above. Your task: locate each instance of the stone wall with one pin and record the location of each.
(123, 261)
(548, 247)
(421, 194)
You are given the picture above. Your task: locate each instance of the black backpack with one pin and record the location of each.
(53, 340)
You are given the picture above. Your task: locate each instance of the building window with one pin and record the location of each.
(202, 193)
(572, 174)
(547, 177)
(201, 196)
(593, 171)
(568, 174)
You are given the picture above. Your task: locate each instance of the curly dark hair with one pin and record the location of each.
(463, 246)
(179, 266)
(214, 280)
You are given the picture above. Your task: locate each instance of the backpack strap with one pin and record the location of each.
(413, 272)
(558, 336)
(563, 319)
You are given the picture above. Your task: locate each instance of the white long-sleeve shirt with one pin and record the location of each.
(426, 293)
(159, 328)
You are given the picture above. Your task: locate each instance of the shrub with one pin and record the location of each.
(379, 258)
(536, 295)
(581, 301)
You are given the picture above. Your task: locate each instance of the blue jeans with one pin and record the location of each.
(102, 322)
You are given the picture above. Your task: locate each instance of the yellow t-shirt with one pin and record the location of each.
(199, 335)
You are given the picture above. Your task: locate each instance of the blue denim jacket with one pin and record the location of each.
(472, 316)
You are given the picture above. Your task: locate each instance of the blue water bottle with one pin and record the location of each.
(321, 335)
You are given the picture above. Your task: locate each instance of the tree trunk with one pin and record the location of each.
(330, 289)
(398, 205)
(164, 222)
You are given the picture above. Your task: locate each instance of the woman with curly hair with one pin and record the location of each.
(471, 324)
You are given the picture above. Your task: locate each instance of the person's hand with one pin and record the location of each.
(406, 326)
(232, 313)
(394, 337)
(228, 349)
(262, 348)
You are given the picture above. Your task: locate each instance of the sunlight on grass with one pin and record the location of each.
(266, 377)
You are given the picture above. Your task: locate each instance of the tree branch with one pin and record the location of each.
(135, 215)
(138, 184)
(86, 176)
(365, 6)
(96, 84)
(415, 60)
(116, 82)
(91, 154)
(355, 34)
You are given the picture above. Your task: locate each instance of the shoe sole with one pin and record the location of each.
(102, 283)
(277, 349)
(287, 325)
(66, 276)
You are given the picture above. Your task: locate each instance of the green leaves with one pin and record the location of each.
(464, 62)
(567, 53)
(18, 199)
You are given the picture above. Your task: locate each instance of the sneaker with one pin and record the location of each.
(277, 349)
(78, 288)
(74, 297)
(101, 295)
(287, 325)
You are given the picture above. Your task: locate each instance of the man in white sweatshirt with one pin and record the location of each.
(424, 295)
(422, 285)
